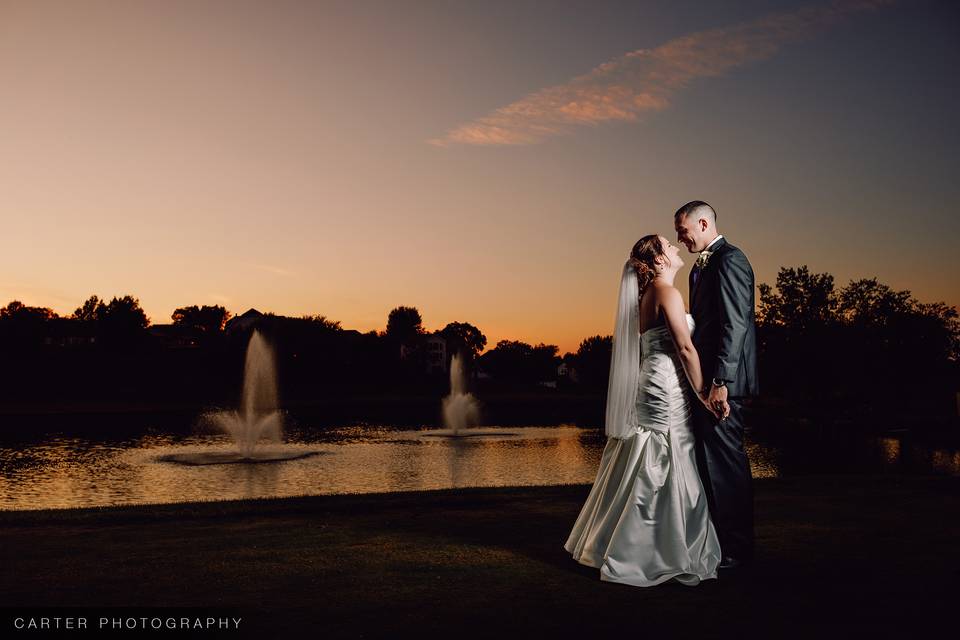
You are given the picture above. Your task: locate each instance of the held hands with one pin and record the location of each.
(715, 400)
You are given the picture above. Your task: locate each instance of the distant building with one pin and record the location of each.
(435, 350)
(174, 336)
(436, 354)
(66, 332)
(245, 321)
(566, 371)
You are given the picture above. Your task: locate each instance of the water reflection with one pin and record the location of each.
(891, 450)
(763, 460)
(60, 471)
(76, 472)
(945, 462)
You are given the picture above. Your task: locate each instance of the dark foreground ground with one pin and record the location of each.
(838, 556)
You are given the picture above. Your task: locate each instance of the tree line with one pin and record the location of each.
(862, 344)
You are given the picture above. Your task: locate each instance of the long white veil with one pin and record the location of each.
(621, 417)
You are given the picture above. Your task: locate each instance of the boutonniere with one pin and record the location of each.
(703, 258)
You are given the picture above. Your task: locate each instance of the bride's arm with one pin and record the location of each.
(676, 316)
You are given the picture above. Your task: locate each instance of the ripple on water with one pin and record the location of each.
(61, 471)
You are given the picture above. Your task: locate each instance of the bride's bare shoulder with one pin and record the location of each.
(663, 292)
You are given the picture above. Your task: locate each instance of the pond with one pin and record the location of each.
(56, 470)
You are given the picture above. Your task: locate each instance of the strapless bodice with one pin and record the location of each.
(662, 401)
(658, 339)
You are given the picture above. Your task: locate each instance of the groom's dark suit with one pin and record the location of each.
(722, 303)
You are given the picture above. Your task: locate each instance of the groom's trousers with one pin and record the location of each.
(725, 471)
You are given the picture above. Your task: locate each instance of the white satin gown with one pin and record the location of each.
(646, 519)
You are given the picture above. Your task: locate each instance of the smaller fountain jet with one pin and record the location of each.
(461, 411)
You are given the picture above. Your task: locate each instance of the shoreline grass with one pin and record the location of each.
(838, 556)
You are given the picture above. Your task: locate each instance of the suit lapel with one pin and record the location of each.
(704, 272)
(692, 287)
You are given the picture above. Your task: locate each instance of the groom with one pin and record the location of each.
(721, 302)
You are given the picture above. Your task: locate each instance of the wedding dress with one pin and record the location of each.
(646, 520)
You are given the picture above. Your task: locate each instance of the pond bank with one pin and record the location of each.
(838, 556)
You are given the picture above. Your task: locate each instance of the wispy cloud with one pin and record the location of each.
(645, 80)
(275, 270)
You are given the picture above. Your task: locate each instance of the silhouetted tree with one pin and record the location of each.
(592, 361)
(866, 302)
(322, 322)
(837, 346)
(518, 362)
(803, 300)
(90, 310)
(890, 333)
(23, 327)
(798, 332)
(122, 322)
(405, 339)
(17, 311)
(508, 361)
(545, 359)
(945, 324)
(206, 319)
(11, 310)
(464, 337)
(404, 325)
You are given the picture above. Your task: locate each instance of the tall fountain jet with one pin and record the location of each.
(460, 409)
(259, 416)
(258, 419)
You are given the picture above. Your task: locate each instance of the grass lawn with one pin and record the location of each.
(838, 556)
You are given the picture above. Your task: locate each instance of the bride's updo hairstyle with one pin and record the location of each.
(643, 258)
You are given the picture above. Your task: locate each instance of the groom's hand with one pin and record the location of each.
(717, 402)
(705, 399)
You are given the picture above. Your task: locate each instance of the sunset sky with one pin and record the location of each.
(489, 162)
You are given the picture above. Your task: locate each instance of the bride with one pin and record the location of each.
(646, 520)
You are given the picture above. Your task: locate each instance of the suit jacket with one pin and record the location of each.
(722, 305)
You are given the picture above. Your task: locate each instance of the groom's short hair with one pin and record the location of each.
(699, 208)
